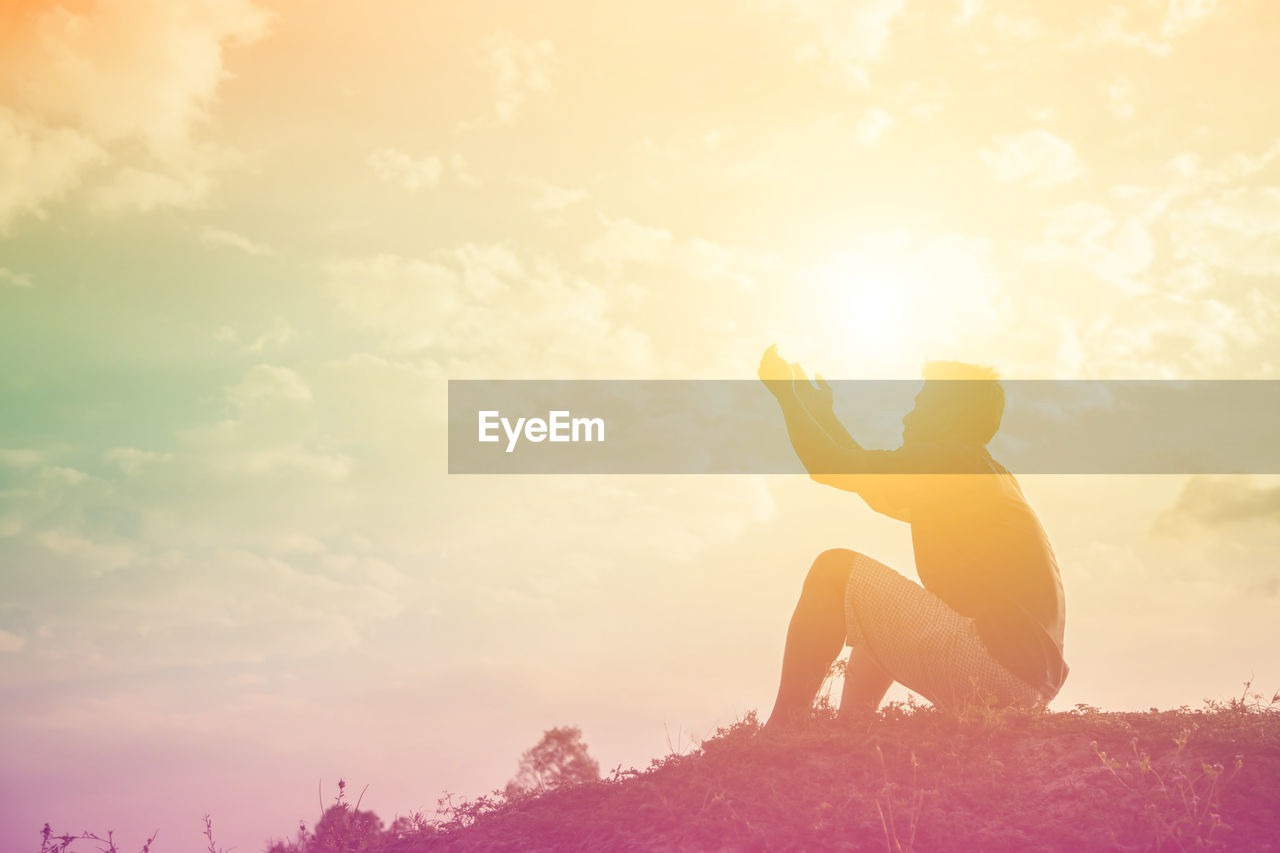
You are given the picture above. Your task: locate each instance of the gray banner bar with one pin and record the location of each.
(736, 426)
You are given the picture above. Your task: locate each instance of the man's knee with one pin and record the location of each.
(830, 571)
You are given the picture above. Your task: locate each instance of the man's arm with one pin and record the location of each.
(823, 445)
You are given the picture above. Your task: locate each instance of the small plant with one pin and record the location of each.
(208, 833)
(892, 842)
(1183, 809)
(50, 843)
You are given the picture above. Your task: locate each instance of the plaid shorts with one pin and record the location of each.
(924, 644)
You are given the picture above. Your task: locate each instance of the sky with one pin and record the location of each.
(244, 244)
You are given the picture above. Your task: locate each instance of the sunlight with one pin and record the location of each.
(870, 302)
(894, 300)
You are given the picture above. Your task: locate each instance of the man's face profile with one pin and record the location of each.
(929, 419)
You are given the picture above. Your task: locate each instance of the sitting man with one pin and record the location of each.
(987, 625)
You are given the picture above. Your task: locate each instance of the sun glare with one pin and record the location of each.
(869, 305)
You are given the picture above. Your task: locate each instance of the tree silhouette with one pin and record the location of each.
(344, 828)
(560, 758)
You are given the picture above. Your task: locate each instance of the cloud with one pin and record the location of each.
(1181, 18)
(487, 309)
(15, 279)
(850, 36)
(39, 164)
(1185, 16)
(211, 236)
(1237, 229)
(1111, 29)
(1119, 94)
(265, 382)
(966, 11)
(279, 333)
(462, 172)
(521, 68)
(399, 169)
(1036, 157)
(268, 444)
(1217, 501)
(1116, 247)
(134, 190)
(872, 126)
(20, 457)
(550, 198)
(1168, 271)
(11, 642)
(131, 460)
(98, 557)
(120, 85)
(626, 242)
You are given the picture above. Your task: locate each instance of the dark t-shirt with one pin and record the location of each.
(980, 548)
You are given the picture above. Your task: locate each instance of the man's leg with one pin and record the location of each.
(865, 683)
(816, 635)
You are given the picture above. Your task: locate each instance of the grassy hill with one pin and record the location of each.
(914, 778)
(910, 778)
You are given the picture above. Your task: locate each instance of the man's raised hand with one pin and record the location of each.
(774, 372)
(817, 400)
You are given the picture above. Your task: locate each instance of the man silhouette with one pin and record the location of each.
(987, 625)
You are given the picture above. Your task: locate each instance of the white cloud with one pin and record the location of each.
(131, 460)
(122, 84)
(400, 169)
(211, 236)
(1237, 230)
(279, 334)
(1018, 27)
(144, 69)
(851, 34)
(1116, 247)
(98, 557)
(1184, 16)
(268, 438)
(133, 190)
(1037, 157)
(627, 242)
(485, 309)
(39, 164)
(1164, 268)
(550, 198)
(1111, 29)
(8, 276)
(20, 457)
(1119, 95)
(462, 172)
(966, 10)
(872, 126)
(522, 68)
(11, 642)
(268, 382)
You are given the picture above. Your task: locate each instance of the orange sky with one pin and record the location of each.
(243, 245)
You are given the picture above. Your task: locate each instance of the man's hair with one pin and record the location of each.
(978, 403)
